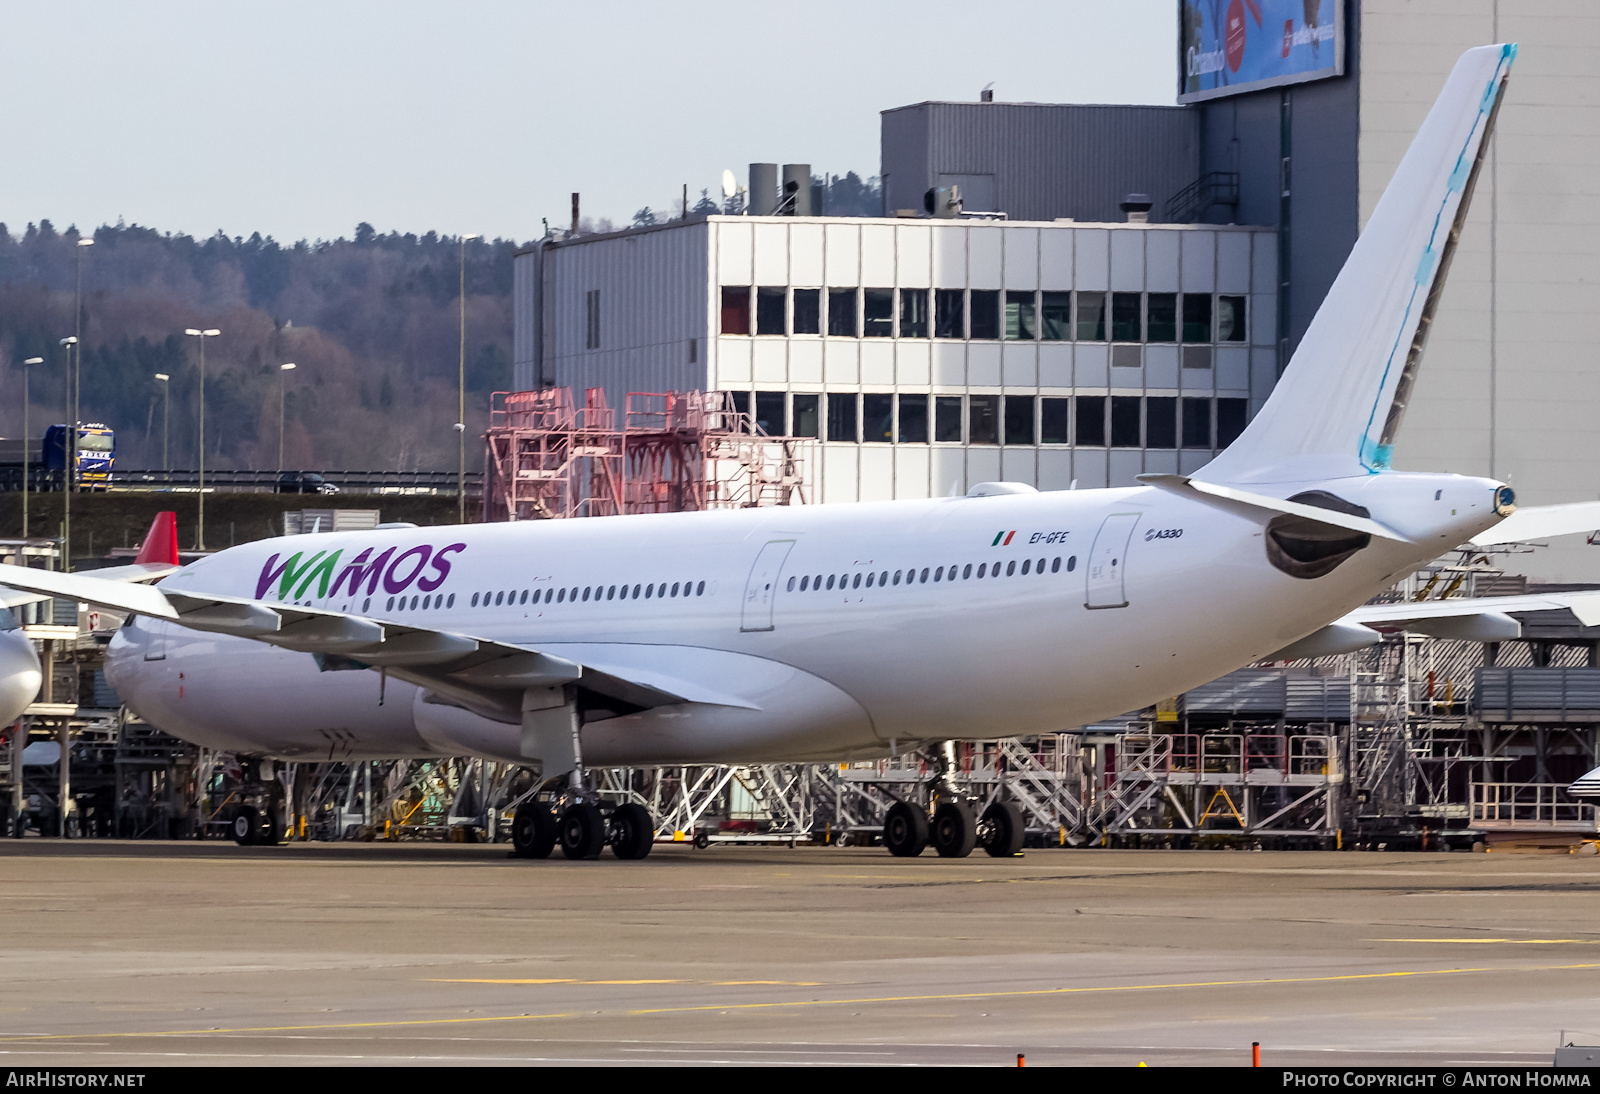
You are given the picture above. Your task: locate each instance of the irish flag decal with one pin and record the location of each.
(1003, 539)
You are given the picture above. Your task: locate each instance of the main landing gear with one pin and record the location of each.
(582, 828)
(259, 816)
(954, 827)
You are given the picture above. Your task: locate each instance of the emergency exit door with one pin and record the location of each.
(761, 589)
(1108, 559)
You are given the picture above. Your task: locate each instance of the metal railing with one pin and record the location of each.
(1211, 188)
(356, 482)
(1529, 806)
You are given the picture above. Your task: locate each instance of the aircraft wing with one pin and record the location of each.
(480, 674)
(1584, 605)
(1542, 522)
(158, 557)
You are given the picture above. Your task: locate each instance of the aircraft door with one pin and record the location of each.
(1108, 562)
(155, 637)
(761, 590)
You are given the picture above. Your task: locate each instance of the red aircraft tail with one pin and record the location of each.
(161, 542)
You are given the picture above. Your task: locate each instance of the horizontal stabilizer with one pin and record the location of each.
(1542, 522)
(1207, 490)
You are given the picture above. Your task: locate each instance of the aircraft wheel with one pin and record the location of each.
(955, 831)
(905, 830)
(632, 833)
(583, 831)
(1003, 829)
(246, 826)
(272, 827)
(533, 830)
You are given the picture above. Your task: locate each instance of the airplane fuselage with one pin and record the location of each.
(805, 633)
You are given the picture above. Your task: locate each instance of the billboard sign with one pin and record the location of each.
(1230, 46)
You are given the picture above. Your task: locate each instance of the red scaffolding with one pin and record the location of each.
(674, 451)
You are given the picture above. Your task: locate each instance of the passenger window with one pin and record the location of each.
(674, 588)
(883, 579)
(923, 580)
(636, 589)
(524, 596)
(367, 603)
(937, 574)
(586, 594)
(700, 589)
(413, 603)
(856, 584)
(499, 599)
(1011, 568)
(389, 607)
(869, 580)
(650, 590)
(561, 596)
(548, 593)
(966, 571)
(791, 584)
(982, 567)
(897, 574)
(805, 582)
(450, 602)
(474, 600)
(1072, 563)
(1026, 564)
(1055, 567)
(830, 581)
(611, 593)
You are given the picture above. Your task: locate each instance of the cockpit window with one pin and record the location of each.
(8, 622)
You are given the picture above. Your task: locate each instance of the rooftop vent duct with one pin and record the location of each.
(987, 94)
(763, 189)
(1137, 208)
(943, 202)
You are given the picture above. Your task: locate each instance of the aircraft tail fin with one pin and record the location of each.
(161, 541)
(1337, 408)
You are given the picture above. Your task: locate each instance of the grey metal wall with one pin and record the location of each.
(1048, 160)
(654, 311)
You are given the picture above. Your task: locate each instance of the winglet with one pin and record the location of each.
(161, 542)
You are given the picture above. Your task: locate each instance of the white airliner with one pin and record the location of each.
(20, 672)
(833, 632)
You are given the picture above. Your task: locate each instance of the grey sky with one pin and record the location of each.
(299, 119)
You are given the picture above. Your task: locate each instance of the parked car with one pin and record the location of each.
(304, 482)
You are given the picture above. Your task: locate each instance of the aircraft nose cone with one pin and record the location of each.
(20, 675)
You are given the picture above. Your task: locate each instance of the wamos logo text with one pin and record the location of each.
(394, 569)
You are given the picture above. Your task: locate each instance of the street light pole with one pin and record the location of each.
(461, 397)
(200, 522)
(166, 410)
(76, 390)
(283, 382)
(69, 448)
(26, 384)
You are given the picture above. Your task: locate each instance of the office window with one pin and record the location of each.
(948, 308)
(842, 313)
(1091, 317)
(591, 306)
(735, 309)
(805, 416)
(1019, 317)
(877, 416)
(841, 416)
(983, 418)
(1161, 422)
(1125, 324)
(984, 321)
(807, 311)
(947, 418)
(1197, 423)
(1055, 316)
(1161, 317)
(739, 400)
(877, 313)
(1053, 419)
(913, 313)
(1230, 319)
(914, 419)
(1230, 420)
(1125, 421)
(771, 303)
(769, 412)
(1091, 421)
(1019, 419)
(1196, 317)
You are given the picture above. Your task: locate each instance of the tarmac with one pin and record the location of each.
(133, 955)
